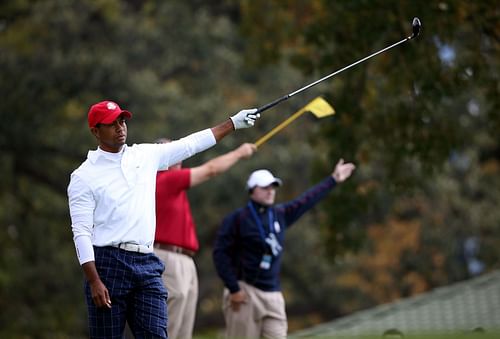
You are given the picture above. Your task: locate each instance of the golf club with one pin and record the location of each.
(416, 25)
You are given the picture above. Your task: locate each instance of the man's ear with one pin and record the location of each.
(95, 132)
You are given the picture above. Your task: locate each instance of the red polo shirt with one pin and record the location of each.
(174, 222)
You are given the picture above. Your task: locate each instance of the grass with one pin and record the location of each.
(448, 335)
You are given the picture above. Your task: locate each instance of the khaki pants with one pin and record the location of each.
(263, 315)
(181, 280)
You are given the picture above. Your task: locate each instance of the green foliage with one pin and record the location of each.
(420, 121)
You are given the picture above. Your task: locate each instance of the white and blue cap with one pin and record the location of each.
(262, 178)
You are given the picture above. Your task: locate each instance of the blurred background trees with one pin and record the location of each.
(420, 121)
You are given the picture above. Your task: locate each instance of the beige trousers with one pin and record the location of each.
(181, 280)
(263, 315)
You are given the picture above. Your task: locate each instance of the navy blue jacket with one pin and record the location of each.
(239, 246)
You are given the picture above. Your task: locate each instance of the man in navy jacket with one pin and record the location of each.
(248, 252)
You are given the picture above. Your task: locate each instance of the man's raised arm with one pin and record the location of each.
(220, 164)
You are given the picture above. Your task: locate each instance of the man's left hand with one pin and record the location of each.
(245, 118)
(343, 171)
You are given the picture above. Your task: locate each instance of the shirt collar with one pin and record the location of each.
(94, 156)
(259, 207)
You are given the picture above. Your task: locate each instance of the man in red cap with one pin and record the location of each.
(112, 207)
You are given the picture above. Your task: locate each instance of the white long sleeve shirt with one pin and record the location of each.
(112, 195)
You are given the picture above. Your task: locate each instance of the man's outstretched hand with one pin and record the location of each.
(245, 118)
(342, 171)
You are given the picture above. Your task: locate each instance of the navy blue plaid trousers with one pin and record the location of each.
(137, 293)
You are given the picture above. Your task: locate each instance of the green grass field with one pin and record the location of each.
(452, 335)
(495, 335)
(456, 335)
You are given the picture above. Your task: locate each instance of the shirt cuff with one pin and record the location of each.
(84, 249)
(233, 288)
(332, 180)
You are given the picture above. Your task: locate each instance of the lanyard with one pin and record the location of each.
(259, 222)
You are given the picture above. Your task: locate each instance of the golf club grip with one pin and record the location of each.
(272, 104)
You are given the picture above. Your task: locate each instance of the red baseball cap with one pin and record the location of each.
(105, 112)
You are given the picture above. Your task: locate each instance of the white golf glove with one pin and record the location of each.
(245, 118)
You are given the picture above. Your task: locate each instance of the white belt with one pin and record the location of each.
(127, 246)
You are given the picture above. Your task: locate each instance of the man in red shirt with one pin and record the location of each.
(176, 242)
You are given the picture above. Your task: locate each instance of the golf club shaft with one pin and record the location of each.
(285, 97)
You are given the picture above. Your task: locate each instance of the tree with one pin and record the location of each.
(406, 118)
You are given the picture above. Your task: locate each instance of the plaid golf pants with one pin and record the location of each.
(137, 295)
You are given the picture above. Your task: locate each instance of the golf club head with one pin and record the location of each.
(416, 25)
